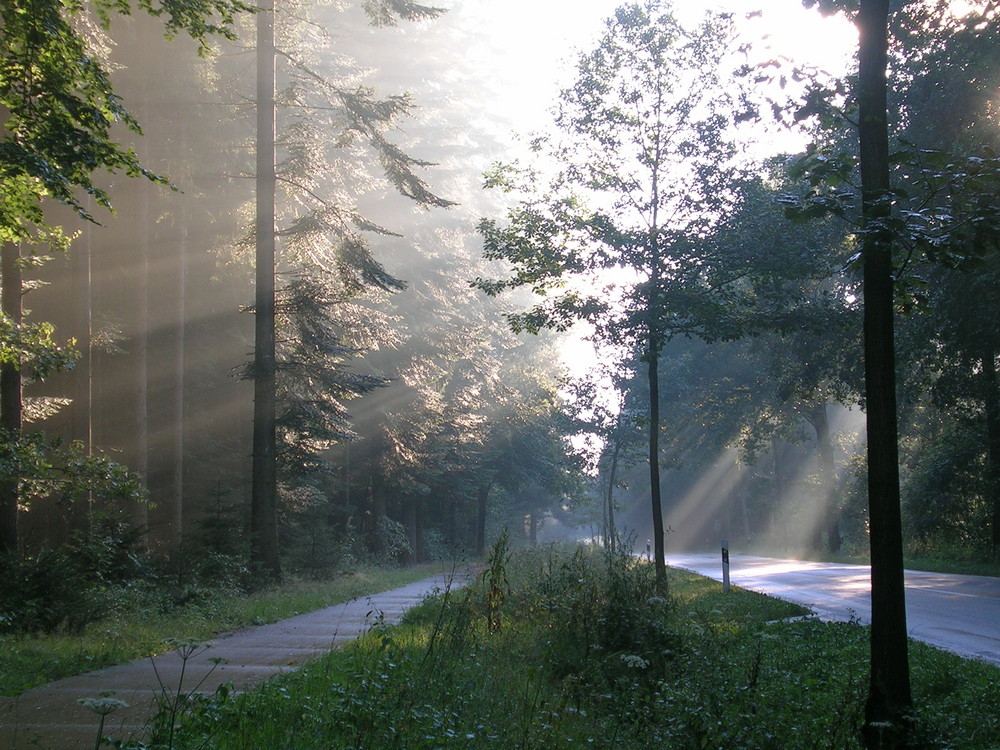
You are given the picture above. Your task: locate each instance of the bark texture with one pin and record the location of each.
(889, 697)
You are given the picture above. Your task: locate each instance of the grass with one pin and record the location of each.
(958, 561)
(27, 661)
(563, 649)
(963, 567)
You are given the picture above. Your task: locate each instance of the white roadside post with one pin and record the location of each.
(725, 566)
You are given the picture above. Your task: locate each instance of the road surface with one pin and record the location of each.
(955, 612)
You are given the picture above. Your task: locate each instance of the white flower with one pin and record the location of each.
(634, 662)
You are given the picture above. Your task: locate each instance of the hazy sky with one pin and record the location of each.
(530, 45)
(533, 42)
(518, 54)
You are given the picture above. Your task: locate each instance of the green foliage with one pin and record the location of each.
(314, 380)
(30, 346)
(109, 550)
(385, 12)
(494, 579)
(136, 620)
(68, 588)
(201, 19)
(45, 467)
(945, 494)
(60, 109)
(644, 135)
(46, 592)
(733, 676)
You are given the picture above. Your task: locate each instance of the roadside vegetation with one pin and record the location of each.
(571, 647)
(137, 619)
(934, 561)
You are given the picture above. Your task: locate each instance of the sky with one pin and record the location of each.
(529, 47)
(519, 54)
(532, 42)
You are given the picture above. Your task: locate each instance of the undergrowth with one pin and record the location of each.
(563, 648)
(126, 633)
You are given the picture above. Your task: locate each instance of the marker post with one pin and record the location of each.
(725, 566)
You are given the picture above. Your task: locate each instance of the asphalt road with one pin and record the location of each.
(954, 612)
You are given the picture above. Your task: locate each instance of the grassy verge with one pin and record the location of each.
(27, 661)
(561, 650)
(963, 565)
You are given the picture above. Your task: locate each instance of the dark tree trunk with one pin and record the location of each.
(889, 697)
(10, 395)
(376, 509)
(745, 514)
(264, 557)
(419, 548)
(451, 523)
(610, 531)
(659, 553)
(991, 397)
(410, 516)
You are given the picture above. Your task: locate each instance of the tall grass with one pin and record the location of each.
(564, 648)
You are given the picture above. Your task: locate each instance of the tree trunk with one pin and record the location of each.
(827, 471)
(779, 514)
(10, 395)
(82, 271)
(659, 553)
(745, 514)
(451, 523)
(419, 548)
(140, 511)
(264, 557)
(481, 508)
(410, 515)
(376, 506)
(178, 422)
(889, 697)
(991, 397)
(611, 532)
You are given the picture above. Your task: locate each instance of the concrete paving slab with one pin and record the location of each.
(50, 717)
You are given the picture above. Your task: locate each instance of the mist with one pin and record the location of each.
(417, 416)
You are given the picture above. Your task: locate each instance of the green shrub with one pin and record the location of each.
(577, 653)
(44, 593)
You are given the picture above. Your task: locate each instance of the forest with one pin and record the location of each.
(282, 295)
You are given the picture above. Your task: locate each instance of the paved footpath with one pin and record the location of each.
(49, 717)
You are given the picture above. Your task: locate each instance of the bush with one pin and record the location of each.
(45, 593)
(110, 550)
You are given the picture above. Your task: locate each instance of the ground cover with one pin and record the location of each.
(133, 631)
(934, 561)
(569, 648)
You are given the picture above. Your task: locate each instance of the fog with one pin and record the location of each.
(414, 422)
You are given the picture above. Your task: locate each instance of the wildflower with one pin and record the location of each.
(102, 706)
(634, 662)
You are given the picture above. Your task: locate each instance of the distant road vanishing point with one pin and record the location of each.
(957, 613)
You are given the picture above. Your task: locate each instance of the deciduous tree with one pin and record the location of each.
(643, 138)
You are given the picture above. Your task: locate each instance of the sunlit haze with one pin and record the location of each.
(530, 50)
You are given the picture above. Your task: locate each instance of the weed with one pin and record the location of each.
(103, 705)
(141, 620)
(586, 655)
(495, 581)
